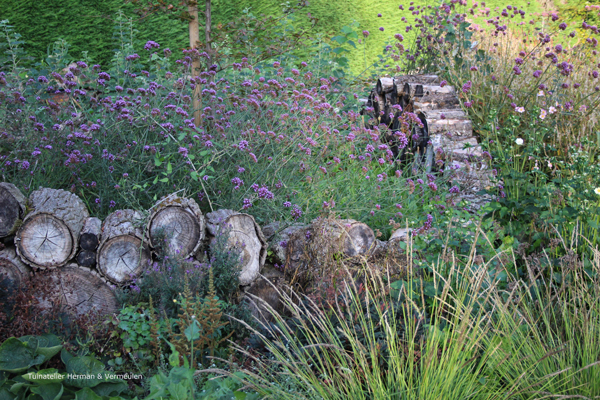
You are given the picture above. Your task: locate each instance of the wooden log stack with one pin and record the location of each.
(453, 148)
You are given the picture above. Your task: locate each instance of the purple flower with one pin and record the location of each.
(287, 204)
(247, 204)
(112, 204)
(296, 212)
(151, 45)
(381, 28)
(466, 87)
(365, 33)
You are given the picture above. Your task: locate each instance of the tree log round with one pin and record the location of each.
(90, 234)
(278, 237)
(80, 290)
(311, 250)
(86, 258)
(12, 267)
(244, 233)
(12, 208)
(176, 226)
(122, 253)
(49, 234)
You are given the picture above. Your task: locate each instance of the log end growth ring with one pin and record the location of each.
(122, 258)
(44, 241)
(358, 240)
(175, 229)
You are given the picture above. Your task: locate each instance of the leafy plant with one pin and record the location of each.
(23, 376)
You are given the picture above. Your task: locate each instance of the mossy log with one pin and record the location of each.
(311, 251)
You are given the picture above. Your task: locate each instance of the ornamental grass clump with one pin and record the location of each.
(533, 340)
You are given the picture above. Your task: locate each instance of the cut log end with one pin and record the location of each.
(86, 258)
(122, 258)
(358, 240)
(176, 231)
(80, 290)
(44, 241)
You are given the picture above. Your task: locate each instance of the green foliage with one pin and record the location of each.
(224, 262)
(11, 49)
(22, 372)
(226, 388)
(200, 325)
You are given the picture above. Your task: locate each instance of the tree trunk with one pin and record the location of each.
(122, 253)
(49, 234)
(12, 208)
(194, 32)
(90, 234)
(12, 267)
(244, 233)
(79, 289)
(176, 227)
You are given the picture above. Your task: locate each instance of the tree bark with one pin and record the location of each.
(122, 253)
(49, 234)
(194, 32)
(176, 226)
(12, 208)
(244, 233)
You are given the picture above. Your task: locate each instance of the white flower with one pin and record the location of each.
(542, 114)
(549, 164)
(552, 110)
(540, 93)
(520, 109)
(597, 191)
(519, 141)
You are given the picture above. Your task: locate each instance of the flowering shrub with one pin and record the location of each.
(278, 139)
